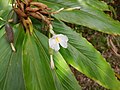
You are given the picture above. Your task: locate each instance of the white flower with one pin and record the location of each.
(57, 40)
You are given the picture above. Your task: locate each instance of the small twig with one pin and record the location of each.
(113, 47)
(56, 12)
(73, 8)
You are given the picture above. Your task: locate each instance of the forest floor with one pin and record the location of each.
(107, 45)
(101, 43)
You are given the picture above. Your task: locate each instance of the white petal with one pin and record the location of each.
(56, 40)
(53, 44)
(56, 47)
(54, 36)
(63, 40)
(63, 43)
(62, 37)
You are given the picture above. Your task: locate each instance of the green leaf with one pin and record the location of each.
(86, 59)
(3, 4)
(105, 25)
(2, 32)
(5, 9)
(5, 53)
(11, 77)
(100, 5)
(36, 69)
(90, 15)
(66, 78)
(64, 73)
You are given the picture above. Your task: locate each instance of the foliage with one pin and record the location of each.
(29, 67)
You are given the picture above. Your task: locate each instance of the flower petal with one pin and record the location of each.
(57, 47)
(62, 37)
(63, 40)
(53, 44)
(58, 39)
(63, 43)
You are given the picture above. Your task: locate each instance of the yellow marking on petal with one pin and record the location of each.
(57, 39)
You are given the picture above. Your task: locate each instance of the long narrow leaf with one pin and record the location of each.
(89, 15)
(37, 73)
(63, 72)
(85, 58)
(11, 77)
